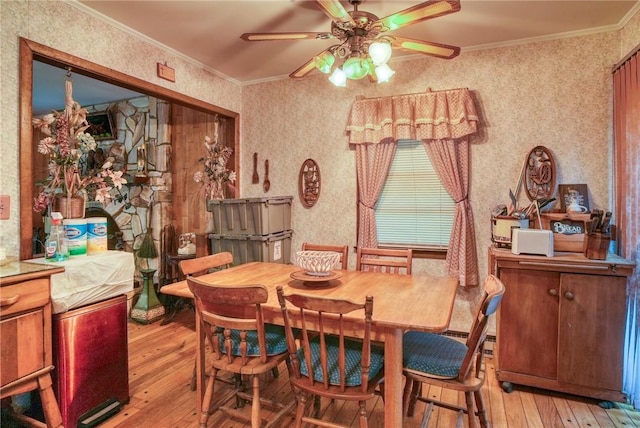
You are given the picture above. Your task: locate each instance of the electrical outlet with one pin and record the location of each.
(5, 207)
(166, 72)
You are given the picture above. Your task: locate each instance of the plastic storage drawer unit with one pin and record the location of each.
(273, 248)
(251, 216)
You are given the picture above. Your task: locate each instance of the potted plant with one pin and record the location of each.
(72, 179)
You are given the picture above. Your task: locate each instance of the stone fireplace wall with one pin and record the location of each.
(140, 122)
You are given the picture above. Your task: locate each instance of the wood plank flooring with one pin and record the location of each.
(161, 361)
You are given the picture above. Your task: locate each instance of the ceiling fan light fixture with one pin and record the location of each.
(324, 62)
(384, 73)
(338, 77)
(362, 49)
(380, 52)
(356, 67)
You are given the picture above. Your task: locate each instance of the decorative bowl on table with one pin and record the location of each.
(317, 263)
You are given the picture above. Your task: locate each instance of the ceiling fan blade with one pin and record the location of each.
(304, 69)
(263, 37)
(428, 48)
(334, 10)
(421, 12)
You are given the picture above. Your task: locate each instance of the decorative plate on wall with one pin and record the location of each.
(309, 183)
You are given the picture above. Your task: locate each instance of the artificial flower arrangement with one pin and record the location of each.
(68, 148)
(216, 177)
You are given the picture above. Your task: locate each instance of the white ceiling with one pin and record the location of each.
(208, 32)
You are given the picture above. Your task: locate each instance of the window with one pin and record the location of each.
(414, 209)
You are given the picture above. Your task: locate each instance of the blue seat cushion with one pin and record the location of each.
(353, 368)
(274, 335)
(433, 354)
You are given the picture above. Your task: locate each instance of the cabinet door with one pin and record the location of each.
(528, 322)
(592, 319)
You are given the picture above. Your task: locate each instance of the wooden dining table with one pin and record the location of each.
(400, 303)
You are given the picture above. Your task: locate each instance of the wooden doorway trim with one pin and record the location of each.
(30, 51)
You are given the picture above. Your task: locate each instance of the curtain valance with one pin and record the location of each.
(434, 115)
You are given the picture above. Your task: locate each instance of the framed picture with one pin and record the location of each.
(574, 198)
(101, 126)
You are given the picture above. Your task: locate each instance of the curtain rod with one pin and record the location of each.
(626, 58)
(362, 97)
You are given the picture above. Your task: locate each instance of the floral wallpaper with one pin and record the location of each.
(64, 27)
(553, 93)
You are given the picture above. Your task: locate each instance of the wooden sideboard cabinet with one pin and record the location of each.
(25, 332)
(561, 323)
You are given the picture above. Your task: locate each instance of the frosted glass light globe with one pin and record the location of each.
(356, 68)
(338, 77)
(380, 52)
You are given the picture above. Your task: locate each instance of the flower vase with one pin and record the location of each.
(70, 207)
(216, 191)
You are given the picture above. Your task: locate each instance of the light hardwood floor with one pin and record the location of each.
(161, 360)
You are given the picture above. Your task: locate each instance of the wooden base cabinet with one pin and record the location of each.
(561, 322)
(25, 333)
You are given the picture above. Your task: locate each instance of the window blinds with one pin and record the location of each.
(414, 210)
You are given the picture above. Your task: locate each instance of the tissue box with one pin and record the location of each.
(532, 241)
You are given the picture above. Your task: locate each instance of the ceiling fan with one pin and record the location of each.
(363, 42)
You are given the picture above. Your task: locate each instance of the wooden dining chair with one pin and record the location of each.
(384, 260)
(206, 264)
(200, 266)
(342, 249)
(329, 361)
(444, 362)
(240, 342)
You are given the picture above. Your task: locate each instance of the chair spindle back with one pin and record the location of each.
(384, 260)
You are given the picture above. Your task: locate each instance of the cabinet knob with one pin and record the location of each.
(568, 295)
(553, 292)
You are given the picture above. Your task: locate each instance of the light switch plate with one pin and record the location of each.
(5, 207)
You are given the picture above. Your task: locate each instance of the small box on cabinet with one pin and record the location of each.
(596, 246)
(568, 230)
